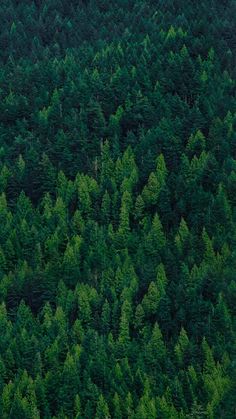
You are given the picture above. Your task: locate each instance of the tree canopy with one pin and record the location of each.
(117, 209)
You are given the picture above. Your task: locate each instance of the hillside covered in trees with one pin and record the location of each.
(118, 209)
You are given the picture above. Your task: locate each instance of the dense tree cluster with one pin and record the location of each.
(117, 209)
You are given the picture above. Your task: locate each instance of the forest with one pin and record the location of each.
(118, 209)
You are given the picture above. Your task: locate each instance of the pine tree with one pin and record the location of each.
(117, 407)
(156, 239)
(181, 347)
(102, 410)
(156, 351)
(106, 317)
(69, 386)
(124, 335)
